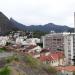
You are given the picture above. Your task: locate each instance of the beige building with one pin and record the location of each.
(53, 41)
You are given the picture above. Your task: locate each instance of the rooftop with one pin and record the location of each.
(52, 56)
(66, 68)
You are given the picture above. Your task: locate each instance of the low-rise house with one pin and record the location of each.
(3, 40)
(31, 41)
(21, 40)
(24, 41)
(37, 40)
(32, 49)
(57, 59)
(42, 52)
(54, 59)
(66, 70)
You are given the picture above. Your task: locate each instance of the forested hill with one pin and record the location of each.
(44, 28)
(12, 24)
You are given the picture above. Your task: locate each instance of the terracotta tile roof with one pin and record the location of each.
(52, 56)
(66, 68)
(43, 58)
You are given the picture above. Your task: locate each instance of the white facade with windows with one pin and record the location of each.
(69, 48)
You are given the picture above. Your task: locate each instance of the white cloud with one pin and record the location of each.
(39, 11)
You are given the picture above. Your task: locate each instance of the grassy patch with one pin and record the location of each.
(49, 69)
(5, 71)
(2, 49)
(10, 59)
(32, 62)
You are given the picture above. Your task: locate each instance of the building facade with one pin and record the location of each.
(69, 48)
(53, 41)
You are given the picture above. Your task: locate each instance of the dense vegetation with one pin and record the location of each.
(38, 34)
(5, 71)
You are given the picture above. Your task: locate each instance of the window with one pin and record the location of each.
(69, 54)
(58, 39)
(54, 39)
(52, 61)
(69, 50)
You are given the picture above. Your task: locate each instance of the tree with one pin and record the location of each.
(38, 34)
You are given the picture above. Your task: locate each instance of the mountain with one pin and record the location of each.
(17, 25)
(43, 28)
(7, 25)
(4, 24)
(71, 30)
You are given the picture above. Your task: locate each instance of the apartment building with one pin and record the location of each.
(69, 48)
(53, 41)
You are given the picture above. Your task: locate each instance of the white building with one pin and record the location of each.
(3, 40)
(24, 41)
(21, 40)
(69, 47)
(37, 40)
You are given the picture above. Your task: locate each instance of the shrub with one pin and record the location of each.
(16, 58)
(34, 63)
(5, 71)
(37, 65)
(10, 59)
(2, 49)
(49, 69)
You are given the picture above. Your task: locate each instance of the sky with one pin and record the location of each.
(36, 12)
